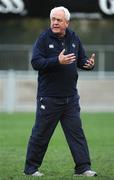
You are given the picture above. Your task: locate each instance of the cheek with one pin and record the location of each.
(51, 24)
(67, 24)
(63, 27)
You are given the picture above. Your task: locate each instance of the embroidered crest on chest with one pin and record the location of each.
(51, 46)
(73, 45)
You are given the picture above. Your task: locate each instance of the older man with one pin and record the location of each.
(56, 55)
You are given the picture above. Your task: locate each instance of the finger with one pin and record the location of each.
(68, 58)
(70, 61)
(90, 61)
(70, 55)
(87, 67)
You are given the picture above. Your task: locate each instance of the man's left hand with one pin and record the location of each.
(90, 62)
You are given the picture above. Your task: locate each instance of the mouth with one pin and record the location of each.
(55, 27)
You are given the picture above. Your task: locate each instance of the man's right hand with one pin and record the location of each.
(66, 59)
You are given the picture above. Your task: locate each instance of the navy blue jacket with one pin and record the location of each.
(55, 79)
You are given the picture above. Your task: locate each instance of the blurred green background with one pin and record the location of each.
(25, 31)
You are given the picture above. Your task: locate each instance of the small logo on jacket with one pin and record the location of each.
(73, 45)
(42, 106)
(51, 46)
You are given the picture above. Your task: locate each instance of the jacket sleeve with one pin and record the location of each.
(39, 60)
(82, 58)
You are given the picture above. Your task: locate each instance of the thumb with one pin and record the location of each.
(62, 52)
(93, 56)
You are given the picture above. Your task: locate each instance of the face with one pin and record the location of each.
(59, 23)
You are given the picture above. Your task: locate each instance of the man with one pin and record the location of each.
(56, 55)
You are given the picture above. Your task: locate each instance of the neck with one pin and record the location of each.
(61, 35)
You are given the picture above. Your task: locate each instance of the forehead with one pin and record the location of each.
(59, 14)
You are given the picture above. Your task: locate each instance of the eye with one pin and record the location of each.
(56, 19)
(59, 20)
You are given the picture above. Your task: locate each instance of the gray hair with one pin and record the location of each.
(61, 8)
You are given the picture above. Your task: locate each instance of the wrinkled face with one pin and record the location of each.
(59, 23)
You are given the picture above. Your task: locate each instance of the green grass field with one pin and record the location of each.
(15, 130)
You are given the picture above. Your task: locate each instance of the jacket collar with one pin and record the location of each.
(68, 33)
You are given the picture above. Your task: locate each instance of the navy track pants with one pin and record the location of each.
(51, 110)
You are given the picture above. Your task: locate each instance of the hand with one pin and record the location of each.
(90, 62)
(66, 59)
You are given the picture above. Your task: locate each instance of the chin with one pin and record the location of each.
(55, 31)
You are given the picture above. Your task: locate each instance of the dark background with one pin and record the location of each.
(24, 28)
(41, 8)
